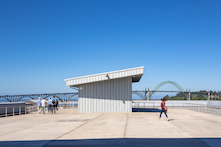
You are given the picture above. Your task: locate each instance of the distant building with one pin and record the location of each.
(214, 96)
(108, 92)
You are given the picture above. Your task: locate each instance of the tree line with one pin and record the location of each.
(199, 95)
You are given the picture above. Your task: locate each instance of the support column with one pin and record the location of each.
(208, 96)
(145, 94)
(189, 94)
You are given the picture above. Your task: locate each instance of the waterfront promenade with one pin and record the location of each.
(68, 128)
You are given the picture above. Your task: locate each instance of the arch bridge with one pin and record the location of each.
(63, 97)
(149, 94)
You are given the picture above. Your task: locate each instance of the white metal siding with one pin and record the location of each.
(108, 96)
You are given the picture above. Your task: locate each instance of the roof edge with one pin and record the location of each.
(105, 73)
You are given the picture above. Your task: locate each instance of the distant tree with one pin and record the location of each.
(179, 96)
(202, 91)
(166, 97)
(198, 97)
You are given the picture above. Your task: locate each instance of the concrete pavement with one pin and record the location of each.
(68, 128)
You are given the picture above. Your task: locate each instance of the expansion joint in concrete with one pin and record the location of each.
(73, 129)
(125, 130)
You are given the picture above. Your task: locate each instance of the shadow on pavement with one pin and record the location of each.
(120, 142)
(145, 110)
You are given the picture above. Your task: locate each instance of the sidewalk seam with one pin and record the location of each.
(125, 130)
(72, 130)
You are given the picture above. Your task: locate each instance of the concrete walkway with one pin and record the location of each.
(68, 128)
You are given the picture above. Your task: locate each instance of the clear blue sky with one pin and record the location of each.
(44, 42)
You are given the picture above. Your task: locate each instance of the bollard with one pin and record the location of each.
(25, 109)
(13, 111)
(6, 113)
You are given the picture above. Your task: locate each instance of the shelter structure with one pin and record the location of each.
(108, 92)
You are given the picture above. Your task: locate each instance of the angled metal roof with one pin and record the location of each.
(135, 73)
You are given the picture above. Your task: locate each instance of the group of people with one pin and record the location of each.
(52, 105)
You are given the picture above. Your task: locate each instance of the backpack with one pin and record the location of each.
(53, 101)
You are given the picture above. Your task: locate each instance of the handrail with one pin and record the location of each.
(28, 109)
(212, 109)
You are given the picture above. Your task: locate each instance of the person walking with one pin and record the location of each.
(53, 101)
(49, 105)
(163, 107)
(43, 104)
(39, 105)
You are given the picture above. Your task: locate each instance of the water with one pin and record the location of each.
(2, 100)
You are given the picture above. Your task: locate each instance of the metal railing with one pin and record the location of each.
(17, 110)
(68, 105)
(212, 109)
(205, 108)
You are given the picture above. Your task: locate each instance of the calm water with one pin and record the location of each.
(134, 97)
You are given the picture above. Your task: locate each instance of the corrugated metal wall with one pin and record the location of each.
(109, 96)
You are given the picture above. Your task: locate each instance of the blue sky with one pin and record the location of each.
(44, 42)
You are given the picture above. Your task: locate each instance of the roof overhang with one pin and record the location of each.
(135, 73)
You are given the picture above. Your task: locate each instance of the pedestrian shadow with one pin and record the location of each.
(145, 110)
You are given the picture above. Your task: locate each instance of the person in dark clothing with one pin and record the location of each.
(163, 109)
(53, 101)
(56, 104)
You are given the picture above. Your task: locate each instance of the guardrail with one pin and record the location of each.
(68, 105)
(17, 110)
(212, 109)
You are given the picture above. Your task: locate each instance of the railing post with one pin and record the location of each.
(25, 109)
(13, 111)
(19, 110)
(6, 113)
(189, 95)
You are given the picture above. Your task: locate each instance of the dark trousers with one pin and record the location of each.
(53, 109)
(49, 108)
(162, 110)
